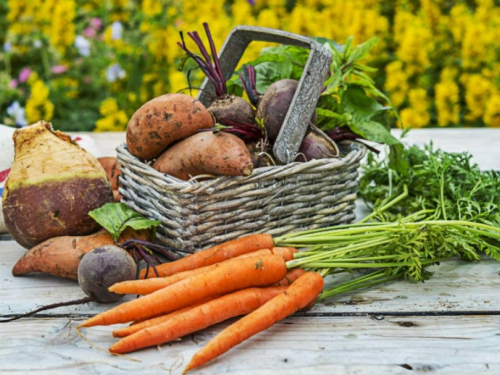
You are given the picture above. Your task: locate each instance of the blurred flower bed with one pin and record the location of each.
(88, 65)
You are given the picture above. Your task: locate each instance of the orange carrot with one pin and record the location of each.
(298, 295)
(147, 286)
(215, 254)
(227, 277)
(197, 318)
(141, 324)
(285, 252)
(291, 276)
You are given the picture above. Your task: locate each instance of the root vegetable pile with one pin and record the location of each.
(177, 135)
(258, 278)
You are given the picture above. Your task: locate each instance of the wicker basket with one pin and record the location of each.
(275, 200)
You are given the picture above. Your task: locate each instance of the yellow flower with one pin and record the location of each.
(417, 115)
(396, 82)
(415, 43)
(151, 7)
(62, 27)
(491, 115)
(447, 103)
(38, 106)
(477, 91)
(114, 119)
(177, 80)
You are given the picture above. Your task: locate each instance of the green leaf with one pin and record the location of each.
(116, 217)
(374, 131)
(361, 106)
(396, 159)
(361, 51)
(365, 68)
(328, 120)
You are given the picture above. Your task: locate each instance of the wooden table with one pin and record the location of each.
(449, 325)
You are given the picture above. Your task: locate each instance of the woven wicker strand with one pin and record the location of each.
(275, 200)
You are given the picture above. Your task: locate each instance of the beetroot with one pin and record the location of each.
(232, 109)
(317, 145)
(274, 105)
(103, 267)
(234, 112)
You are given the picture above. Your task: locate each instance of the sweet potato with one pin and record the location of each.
(112, 168)
(164, 120)
(206, 153)
(60, 256)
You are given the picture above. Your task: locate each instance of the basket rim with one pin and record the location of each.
(356, 154)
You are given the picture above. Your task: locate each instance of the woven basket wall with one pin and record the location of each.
(275, 200)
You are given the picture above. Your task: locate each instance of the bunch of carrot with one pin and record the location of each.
(245, 277)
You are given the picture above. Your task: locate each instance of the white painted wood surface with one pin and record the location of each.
(448, 325)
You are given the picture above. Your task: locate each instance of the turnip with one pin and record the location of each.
(52, 186)
(230, 110)
(97, 271)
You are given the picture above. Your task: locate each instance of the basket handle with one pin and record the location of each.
(308, 90)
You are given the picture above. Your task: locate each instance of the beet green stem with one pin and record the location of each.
(211, 69)
(216, 58)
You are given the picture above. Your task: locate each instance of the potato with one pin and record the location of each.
(164, 120)
(103, 267)
(206, 153)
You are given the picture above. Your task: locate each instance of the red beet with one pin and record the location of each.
(232, 108)
(316, 145)
(234, 112)
(274, 105)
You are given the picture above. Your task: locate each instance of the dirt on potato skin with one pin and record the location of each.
(163, 121)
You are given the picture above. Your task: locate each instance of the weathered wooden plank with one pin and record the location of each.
(455, 286)
(299, 345)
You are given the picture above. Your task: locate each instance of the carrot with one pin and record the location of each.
(298, 295)
(285, 252)
(194, 319)
(215, 254)
(147, 286)
(148, 322)
(227, 277)
(291, 276)
(60, 256)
